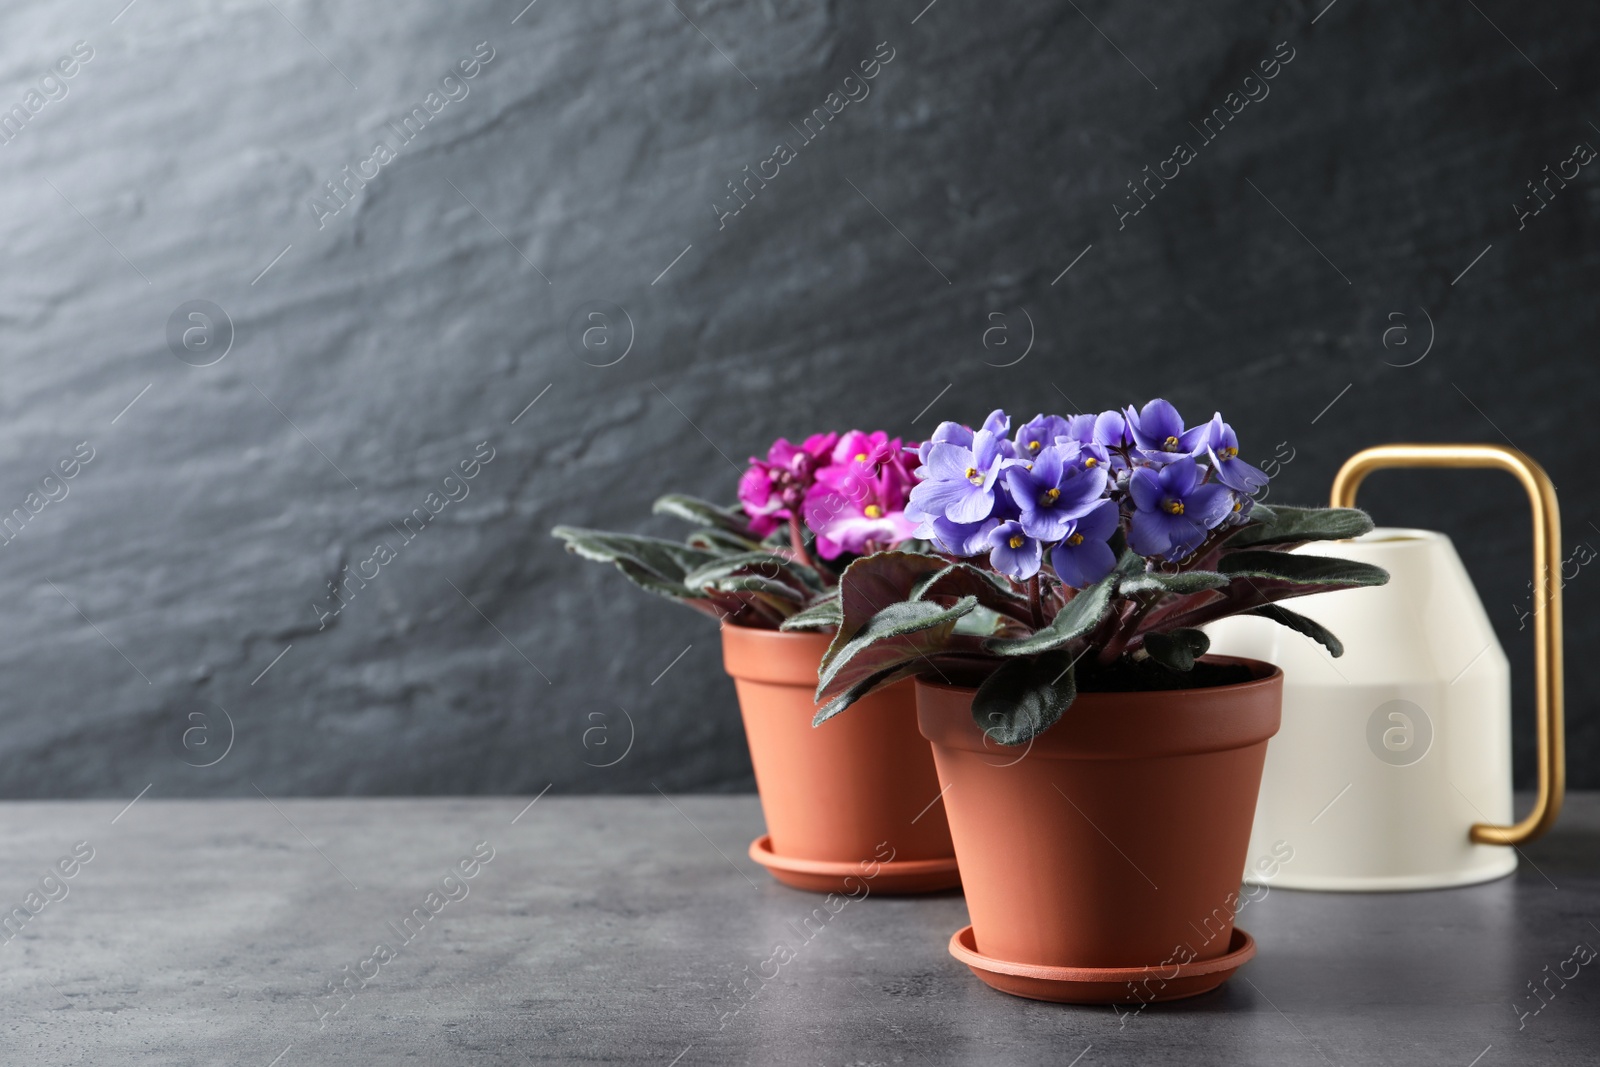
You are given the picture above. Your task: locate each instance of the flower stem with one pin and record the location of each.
(1034, 608)
(1125, 631)
(797, 539)
(1204, 555)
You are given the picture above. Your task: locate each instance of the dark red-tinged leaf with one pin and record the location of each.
(1298, 622)
(899, 634)
(872, 583)
(1080, 615)
(1177, 649)
(1297, 569)
(1283, 525)
(1025, 697)
(963, 579)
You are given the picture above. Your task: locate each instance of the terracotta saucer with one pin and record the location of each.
(832, 876)
(1103, 985)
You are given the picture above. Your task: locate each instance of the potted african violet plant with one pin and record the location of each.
(855, 800)
(1101, 770)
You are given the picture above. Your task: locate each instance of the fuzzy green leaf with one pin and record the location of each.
(654, 583)
(665, 558)
(822, 615)
(897, 635)
(1024, 698)
(980, 622)
(754, 583)
(1298, 622)
(861, 689)
(1301, 570)
(963, 579)
(720, 541)
(1177, 649)
(1129, 562)
(702, 513)
(651, 563)
(742, 609)
(872, 583)
(762, 564)
(1081, 614)
(1181, 583)
(1284, 525)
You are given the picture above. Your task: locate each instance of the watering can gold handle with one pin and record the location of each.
(1547, 633)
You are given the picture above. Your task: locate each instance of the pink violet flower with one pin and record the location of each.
(850, 490)
(858, 504)
(773, 490)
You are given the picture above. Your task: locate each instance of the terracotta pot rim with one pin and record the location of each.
(777, 657)
(1267, 673)
(726, 625)
(1132, 725)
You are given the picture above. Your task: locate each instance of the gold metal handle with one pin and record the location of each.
(1548, 677)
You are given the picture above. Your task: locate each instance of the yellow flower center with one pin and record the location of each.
(1090, 461)
(1173, 507)
(1016, 541)
(861, 457)
(873, 511)
(1075, 540)
(973, 476)
(1237, 504)
(1033, 446)
(1049, 497)
(1228, 453)
(1170, 444)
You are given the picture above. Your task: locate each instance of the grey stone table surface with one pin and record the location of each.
(622, 930)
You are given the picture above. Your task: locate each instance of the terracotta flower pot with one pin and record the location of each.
(848, 803)
(1114, 844)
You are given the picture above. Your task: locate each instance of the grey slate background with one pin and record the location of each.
(379, 350)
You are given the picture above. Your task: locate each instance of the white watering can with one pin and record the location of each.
(1392, 769)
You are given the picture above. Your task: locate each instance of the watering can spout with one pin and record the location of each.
(1549, 688)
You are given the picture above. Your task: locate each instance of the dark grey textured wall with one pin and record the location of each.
(374, 347)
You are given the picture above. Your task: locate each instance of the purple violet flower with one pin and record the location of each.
(1088, 457)
(956, 538)
(1110, 440)
(1051, 492)
(1013, 553)
(1174, 509)
(1066, 485)
(954, 433)
(1038, 433)
(1111, 430)
(1080, 428)
(1084, 557)
(946, 433)
(959, 482)
(1242, 507)
(1223, 448)
(1158, 431)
